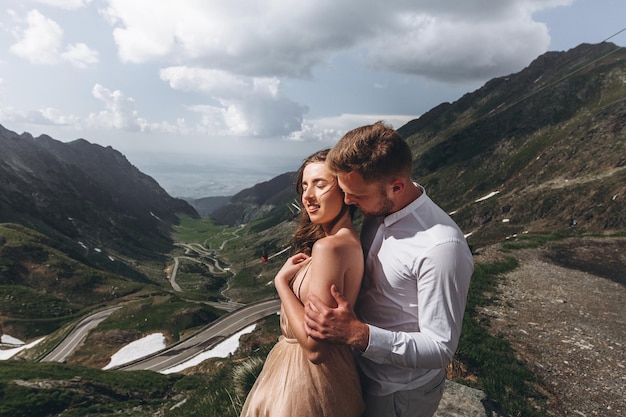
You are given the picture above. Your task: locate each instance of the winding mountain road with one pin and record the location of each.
(238, 318)
(180, 352)
(69, 344)
(206, 338)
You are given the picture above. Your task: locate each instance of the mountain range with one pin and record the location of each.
(549, 140)
(541, 151)
(547, 145)
(79, 225)
(84, 192)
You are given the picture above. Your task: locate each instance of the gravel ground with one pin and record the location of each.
(563, 311)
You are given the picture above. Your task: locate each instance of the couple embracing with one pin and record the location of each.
(368, 323)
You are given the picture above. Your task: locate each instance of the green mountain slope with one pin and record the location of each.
(549, 140)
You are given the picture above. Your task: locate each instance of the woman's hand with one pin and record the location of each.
(290, 269)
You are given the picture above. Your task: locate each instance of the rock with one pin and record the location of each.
(462, 401)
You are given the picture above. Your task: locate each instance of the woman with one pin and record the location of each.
(303, 377)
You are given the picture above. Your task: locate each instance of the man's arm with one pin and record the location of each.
(335, 325)
(442, 293)
(442, 285)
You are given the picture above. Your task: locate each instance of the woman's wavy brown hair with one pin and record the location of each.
(307, 232)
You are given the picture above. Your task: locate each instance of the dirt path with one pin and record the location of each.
(568, 324)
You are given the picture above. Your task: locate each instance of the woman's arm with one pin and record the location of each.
(327, 268)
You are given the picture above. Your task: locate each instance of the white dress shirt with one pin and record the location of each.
(417, 273)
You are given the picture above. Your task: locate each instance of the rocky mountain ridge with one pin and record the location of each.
(84, 192)
(550, 140)
(256, 202)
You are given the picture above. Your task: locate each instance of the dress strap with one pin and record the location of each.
(302, 280)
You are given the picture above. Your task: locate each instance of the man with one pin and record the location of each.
(407, 320)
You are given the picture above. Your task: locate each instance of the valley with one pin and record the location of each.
(538, 186)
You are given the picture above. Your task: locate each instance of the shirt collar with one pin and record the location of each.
(403, 212)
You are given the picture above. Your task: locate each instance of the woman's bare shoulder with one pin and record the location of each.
(338, 244)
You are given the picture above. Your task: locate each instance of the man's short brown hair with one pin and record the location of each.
(377, 152)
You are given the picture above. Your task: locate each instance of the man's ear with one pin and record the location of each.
(397, 185)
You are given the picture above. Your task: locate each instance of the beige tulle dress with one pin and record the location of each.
(291, 386)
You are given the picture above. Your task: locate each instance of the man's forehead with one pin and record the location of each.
(349, 176)
(352, 180)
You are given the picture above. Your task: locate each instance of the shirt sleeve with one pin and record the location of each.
(443, 277)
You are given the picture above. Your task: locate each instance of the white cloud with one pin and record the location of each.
(40, 42)
(251, 106)
(65, 4)
(50, 116)
(477, 38)
(8, 113)
(47, 116)
(260, 38)
(144, 35)
(80, 55)
(458, 47)
(119, 112)
(219, 75)
(329, 130)
(210, 81)
(237, 56)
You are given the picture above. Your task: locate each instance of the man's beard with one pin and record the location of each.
(385, 209)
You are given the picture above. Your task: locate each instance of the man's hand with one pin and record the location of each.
(335, 325)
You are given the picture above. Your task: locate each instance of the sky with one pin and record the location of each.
(213, 96)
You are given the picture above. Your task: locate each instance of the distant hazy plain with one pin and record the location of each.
(193, 178)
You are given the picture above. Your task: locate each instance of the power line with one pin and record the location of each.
(614, 35)
(617, 48)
